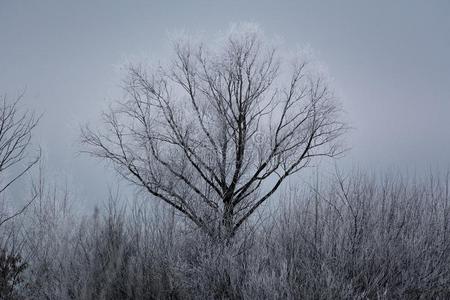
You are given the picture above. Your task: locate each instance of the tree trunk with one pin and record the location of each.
(227, 221)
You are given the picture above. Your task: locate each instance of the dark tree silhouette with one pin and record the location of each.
(216, 132)
(15, 138)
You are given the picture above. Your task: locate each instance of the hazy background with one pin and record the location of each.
(390, 63)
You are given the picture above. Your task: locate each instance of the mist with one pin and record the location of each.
(387, 64)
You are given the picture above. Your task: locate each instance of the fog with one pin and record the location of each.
(389, 63)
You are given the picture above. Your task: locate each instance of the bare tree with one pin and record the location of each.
(216, 132)
(15, 138)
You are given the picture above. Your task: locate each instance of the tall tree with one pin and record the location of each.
(215, 132)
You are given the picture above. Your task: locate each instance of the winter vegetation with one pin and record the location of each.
(213, 143)
(357, 237)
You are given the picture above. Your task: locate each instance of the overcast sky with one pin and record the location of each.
(390, 61)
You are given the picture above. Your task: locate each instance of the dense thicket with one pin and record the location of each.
(353, 237)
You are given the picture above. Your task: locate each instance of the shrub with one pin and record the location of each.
(11, 274)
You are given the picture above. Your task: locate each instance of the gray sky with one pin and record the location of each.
(389, 59)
